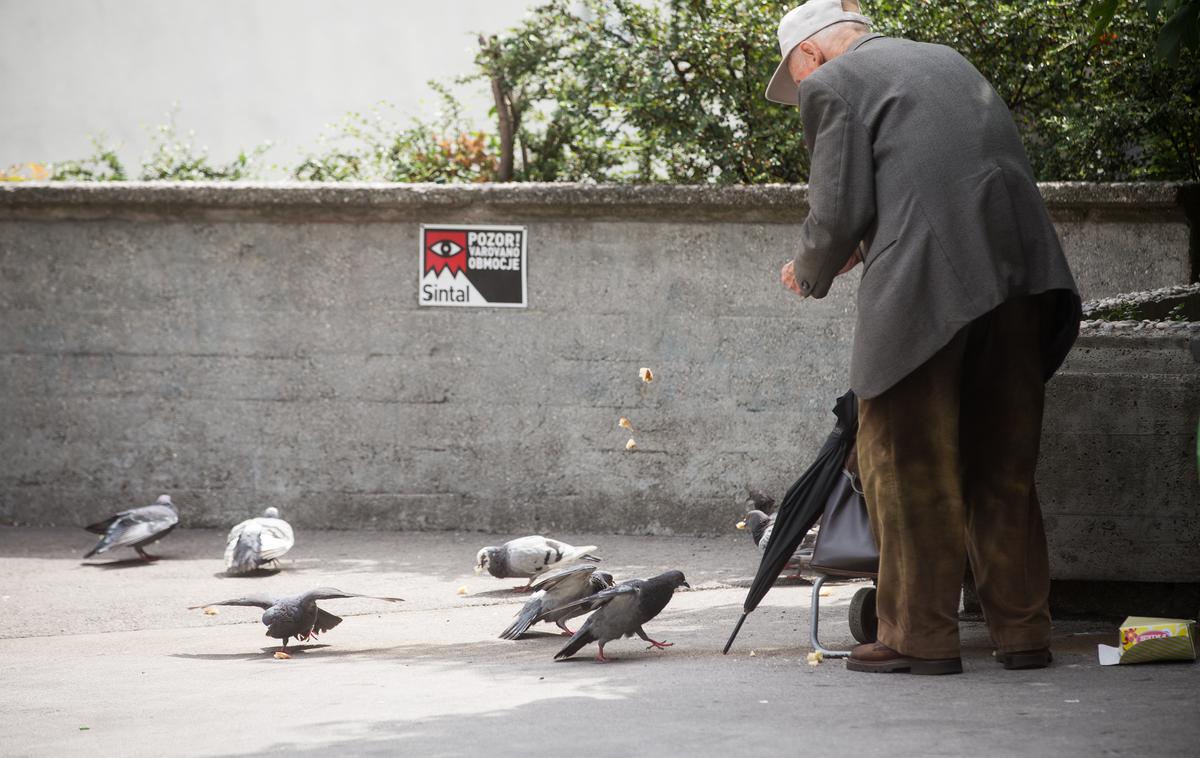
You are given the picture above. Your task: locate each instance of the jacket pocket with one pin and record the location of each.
(872, 257)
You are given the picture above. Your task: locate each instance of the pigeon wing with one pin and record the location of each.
(766, 534)
(530, 555)
(331, 593)
(257, 601)
(242, 546)
(276, 538)
(100, 527)
(526, 617)
(571, 574)
(621, 616)
(570, 552)
(600, 599)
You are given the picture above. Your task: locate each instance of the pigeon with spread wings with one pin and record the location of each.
(298, 615)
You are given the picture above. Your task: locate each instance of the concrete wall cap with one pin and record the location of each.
(385, 202)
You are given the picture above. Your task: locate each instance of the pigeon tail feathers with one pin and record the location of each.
(582, 637)
(245, 554)
(526, 618)
(101, 527)
(580, 554)
(325, 621)
(100, 547)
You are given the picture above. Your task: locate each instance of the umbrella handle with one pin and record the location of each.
(733, 636)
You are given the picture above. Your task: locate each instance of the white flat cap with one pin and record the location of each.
(799, 24)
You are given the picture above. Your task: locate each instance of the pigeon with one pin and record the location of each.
(554, 590)
(135, 528)
(761, 524)
(621, 611)
(297, 616)
(257, 541)
(528, 557)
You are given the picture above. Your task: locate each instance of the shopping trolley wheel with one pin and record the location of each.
(864, 624)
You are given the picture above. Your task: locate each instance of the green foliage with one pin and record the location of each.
(174, 158)
(171, 158)
(370, 147)
(1089, 108)
(1122, 312)
(103, 165)
(618, 90)
(1181, 29)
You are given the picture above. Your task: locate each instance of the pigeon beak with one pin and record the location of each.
(685, 584)
(479, 569)
(741, 525)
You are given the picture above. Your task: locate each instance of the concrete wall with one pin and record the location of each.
(1117, 475)
(249, 346)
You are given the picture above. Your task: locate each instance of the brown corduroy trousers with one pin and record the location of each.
(947, 458)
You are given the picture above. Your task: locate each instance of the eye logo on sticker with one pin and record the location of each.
(445, 250)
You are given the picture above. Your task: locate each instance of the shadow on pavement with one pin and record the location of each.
(123, 563)
(321, 650)
(255, 574)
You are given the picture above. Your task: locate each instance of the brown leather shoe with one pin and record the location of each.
(1025, 659)
(878, 658)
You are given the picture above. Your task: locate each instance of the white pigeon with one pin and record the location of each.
(526, 557)
(257, 541)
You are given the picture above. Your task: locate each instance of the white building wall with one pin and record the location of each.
(241, 71)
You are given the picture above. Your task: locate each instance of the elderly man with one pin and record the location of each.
(966, 307)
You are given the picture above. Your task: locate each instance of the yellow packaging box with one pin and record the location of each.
(1146, 639)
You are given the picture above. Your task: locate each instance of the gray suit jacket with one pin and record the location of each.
(916, 156)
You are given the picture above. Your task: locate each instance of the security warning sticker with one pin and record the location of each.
(482, 266)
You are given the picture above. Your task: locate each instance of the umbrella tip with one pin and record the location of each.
(733, 636)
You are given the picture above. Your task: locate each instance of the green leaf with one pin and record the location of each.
(1181, 27)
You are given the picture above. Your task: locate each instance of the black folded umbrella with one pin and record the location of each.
(803, 505)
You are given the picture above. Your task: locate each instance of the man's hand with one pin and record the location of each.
(855, 259)
(787, 275)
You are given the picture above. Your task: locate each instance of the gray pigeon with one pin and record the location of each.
(761, 524)
(135, 528)
(621, 612)
(297, 616)
(257, 541)
(526, 557)
(554, 590)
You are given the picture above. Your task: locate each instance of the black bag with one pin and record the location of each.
(845, 545)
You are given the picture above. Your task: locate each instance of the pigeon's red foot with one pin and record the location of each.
(567, 633)
(600, 658)
(523, 588)
(656, 643)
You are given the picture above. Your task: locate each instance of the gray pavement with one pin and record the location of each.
(101, 657)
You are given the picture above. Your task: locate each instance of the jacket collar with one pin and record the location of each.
(862, 41)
